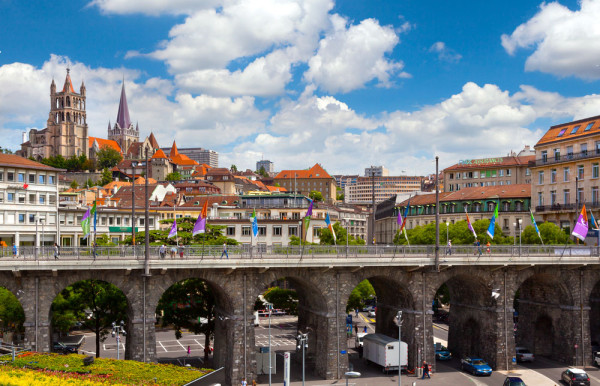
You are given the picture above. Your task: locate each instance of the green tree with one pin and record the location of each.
(262, 172)
(57, 162)
(74, 184)
(97, 304)
(285, 299)
(5, 151)
(551, 234)
(459, 233)
(89, 183)
(107, 157)
(359, 295)
(106, 177)
(12, 316)
(213, 236)
(189, 304)
(315, 196)
(326, 238)
(175, 176)
(233, 169)
(76, 164)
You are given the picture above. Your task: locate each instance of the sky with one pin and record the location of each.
(346, 84)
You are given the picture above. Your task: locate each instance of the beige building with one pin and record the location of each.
(303, 182)
(567, 171)
(495, 171)
(360, 192)
(66, 133)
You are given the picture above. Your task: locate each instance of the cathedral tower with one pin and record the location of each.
(123, 132)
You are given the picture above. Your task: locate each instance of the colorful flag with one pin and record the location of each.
(25, 186)
(310, 208)
(85, 224)
(330, 226)
(492, 226)
(94, 213)
(581, 228)
(470, 226)
(536, 227)
(200, 225)
(173, 231)
(594, 223)
(254, 221)
(405, 215)
(399, 220)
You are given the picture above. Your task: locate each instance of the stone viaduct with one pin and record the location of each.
(559, 303)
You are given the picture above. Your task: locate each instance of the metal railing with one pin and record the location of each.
(568, 157)
(214, 252)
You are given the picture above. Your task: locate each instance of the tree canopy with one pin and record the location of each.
(175, 176)
(185, 225)
(106, 177)
(359, 295)
(12, 315)
(316, 196)
(326, 238)
(285, 299)
(107, 157)
(459, 233)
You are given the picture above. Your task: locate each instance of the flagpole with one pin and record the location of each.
(175, 220)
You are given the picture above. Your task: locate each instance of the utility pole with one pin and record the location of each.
(133, 206)
(437, 217)
(373, 205)
(146, 224)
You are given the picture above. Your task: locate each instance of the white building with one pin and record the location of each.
(28, 202)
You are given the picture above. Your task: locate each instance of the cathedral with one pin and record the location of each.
(66, 133)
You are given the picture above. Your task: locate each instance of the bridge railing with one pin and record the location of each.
(47, 253)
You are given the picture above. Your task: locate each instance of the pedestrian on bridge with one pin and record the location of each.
(489, 249)
(56, 251)
(15, 250)
(173, 251)
(181, 248)
(161, 251)
(478, 245)
(224, 251)
(449, 250)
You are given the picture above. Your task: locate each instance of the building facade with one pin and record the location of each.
(302, 182)
(28, 202)
(361, 191)
(377, 171)
(566, 174)
(66, 131)
(266, 164)
(200, 155)
(509, 170)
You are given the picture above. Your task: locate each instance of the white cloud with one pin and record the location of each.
(444, 53)
(153, 7)
(348, 58)
(564, 41)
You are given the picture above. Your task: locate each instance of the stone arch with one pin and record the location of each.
(594, 316)
(545, 303)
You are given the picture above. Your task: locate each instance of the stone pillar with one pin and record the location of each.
(37, 311)
(136, 333)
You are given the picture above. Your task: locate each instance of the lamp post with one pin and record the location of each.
(515, 239)
(42, 221)
(117, 331)
(133, 165)
(399, 317)
(302, 342)
(447, 236)
(520, 221)
(270, 309)
(351, 374)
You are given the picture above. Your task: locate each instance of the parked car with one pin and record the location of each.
(475, 366)
(358, 342)
(513, 381)
(524, 355)
(575, 377)
(371, 313)
(442, 354)
(63, 349)
(597, 359)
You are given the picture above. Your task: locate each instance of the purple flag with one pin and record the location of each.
(399, 217)
(173, 231)
(309, 211)
(581, 228)
(200, 226)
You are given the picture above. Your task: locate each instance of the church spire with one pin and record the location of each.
(68, 87)
(123, 115)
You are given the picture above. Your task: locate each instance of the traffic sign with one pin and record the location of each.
(514, 360)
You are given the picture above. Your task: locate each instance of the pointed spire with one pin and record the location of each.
(137, 127)
(109, 127)
(123, 115)
(82, 88)
(68, 87)
(174, 150)
(153, 141)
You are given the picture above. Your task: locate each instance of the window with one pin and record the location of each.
(597, 147)
(580, 172)
(52, 199)
(476, 174)
(544, 156)
(32, 218)
(589, 126)
(508, 172)
(527, 172)
(1, 175)
(506, 206)
(560, 134)
(103, 220)
(245, 231)
(567, 196)
(32, 178)
(79, 218)
(541, 177)
(566, 172)
(540, 199)
(277, 231)
(42, 179)
(491, 206)
(583, 148)
(575, 129)
(501, 173)
(557, 154)
(21, 218)
(230, 231)
(111, 221)
(10, 176)
(553, 197)
(21, 198)
(519, 206)
(21, 177)
(580, 196)
(595, 170)
(317, 231)
(118, 220)
(569, 152)
(292, 230)
(553, 176)
(494, 173)
(594, 195)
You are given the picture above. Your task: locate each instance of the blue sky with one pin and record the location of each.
(346, 84)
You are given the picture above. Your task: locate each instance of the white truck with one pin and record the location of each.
(383, 350)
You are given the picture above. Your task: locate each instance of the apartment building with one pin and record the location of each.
(494, 171)
(566, 174)
(360, 192)
(302, 182)
(28, 202)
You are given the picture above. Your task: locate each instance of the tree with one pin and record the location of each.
(189, 304)
(58, 162)
(459, 233)
(97, 304)
(315, 196)
(233, 169)
(262, 172)
(12, 315)
(551, 234)
(285, 299)
(359, 295)
(340, 197)
(107, 157)
(76, 164)
(326, 238)
(106, 177)
(5, 151)
(74, 184)
(89, 183)
(175, 176)
(213, 236)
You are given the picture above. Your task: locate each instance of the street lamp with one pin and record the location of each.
(520, 221)
(270, 309)
(351, 374)
(399, 318)
(447, 236)
(515, 239)
(117, 331)
(302, 342)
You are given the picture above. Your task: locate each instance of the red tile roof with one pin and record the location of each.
(481, 193)
(105, 142)
(15, 160)
(315, 172)
(565, 131)
(492, 162)
(159, 154)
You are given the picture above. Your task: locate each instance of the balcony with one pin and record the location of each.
(568, 158)
(566, 207)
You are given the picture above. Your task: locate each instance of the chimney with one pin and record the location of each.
(24, 137)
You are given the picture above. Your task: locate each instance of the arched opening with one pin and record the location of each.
(191, 318)
(12, 318)
(542, 303)
(594, 318)
(82, 317)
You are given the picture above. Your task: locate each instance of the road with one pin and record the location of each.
(283, 331)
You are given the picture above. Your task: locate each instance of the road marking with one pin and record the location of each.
(159, 342)
(475, 381)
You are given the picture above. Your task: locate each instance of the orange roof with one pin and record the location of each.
(315, 172)
(493, 162)
(276, 188)
(153, 141)
(159, 154)
(15, 160)
(105, 142)
(174, 150)
(112, 184)
(567, 131)
(182, 159)
(141, 180)
(68, 85)
(474, 193)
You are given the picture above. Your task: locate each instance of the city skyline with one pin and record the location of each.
(310, 81)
